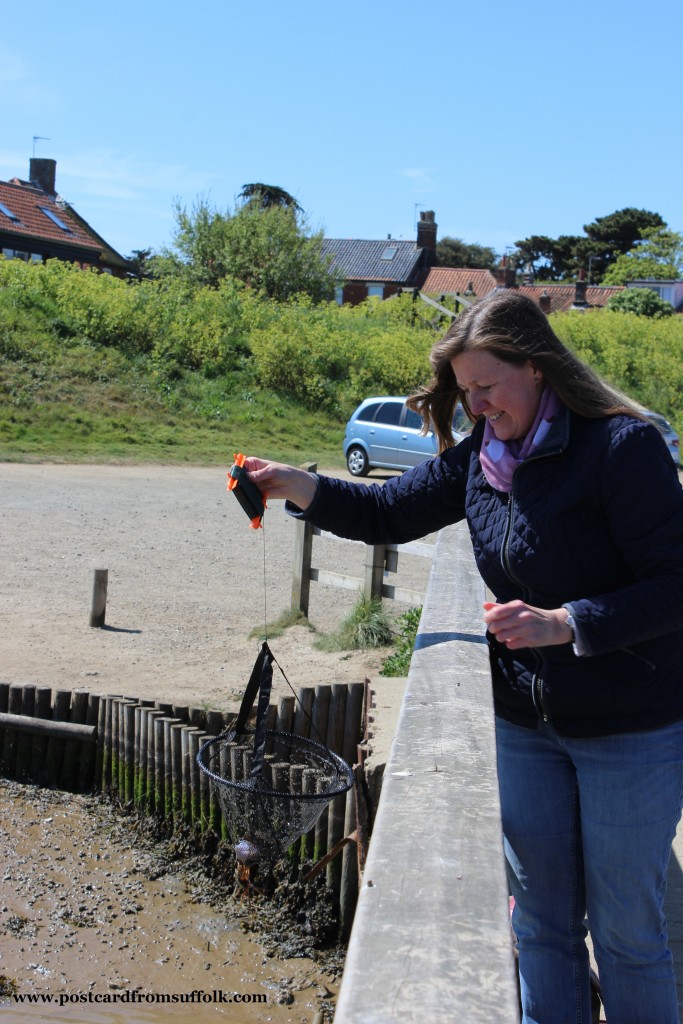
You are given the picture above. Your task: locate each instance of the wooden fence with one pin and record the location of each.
(380, 559)
(142, 754)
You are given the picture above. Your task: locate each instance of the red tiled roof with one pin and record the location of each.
(448, 281)
(25, 202)
(562, 295)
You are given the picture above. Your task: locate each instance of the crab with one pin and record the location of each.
(247, 857)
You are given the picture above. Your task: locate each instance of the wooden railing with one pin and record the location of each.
(431, 937)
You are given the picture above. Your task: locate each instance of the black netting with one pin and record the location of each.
(272, 786)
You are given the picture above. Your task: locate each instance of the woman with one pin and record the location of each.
(576, 517)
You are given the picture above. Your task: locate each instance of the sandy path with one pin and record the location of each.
(186, 585)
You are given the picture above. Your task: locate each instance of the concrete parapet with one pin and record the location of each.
(431, 937)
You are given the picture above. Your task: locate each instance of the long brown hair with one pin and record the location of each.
(514, 329)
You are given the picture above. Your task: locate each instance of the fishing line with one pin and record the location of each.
(311, 723)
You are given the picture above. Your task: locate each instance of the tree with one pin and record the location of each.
(139, 265)
(556, 259)
(617, 233)
(454, 252)
(549, 259)
(266, 248)
(267, 196)
(656, 256)
(642, 301)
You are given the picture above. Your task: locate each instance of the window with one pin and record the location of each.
(390, 413)
(369, 412)
(8, 213)
(413, 420)
(55, 219)
(389, 252)
(376, 289)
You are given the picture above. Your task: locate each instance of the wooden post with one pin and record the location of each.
(303, 551)
(308, 784)
(89, 752)
(197, 740)
(72, 750)
(42, 710)
(302, 712)
(336, 809)
(61, 703)
(98, 608)
(9, 749)
(129, 753)
(28, 700)
(374, 571)
(348, 891)
(177, 773)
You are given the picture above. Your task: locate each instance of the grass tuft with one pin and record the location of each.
(367, 626)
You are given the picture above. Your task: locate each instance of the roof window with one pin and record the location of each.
(55, 219)
(389, 252)
(8, 213)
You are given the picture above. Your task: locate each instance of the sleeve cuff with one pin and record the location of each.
(578, 644)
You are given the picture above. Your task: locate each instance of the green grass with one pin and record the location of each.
(89, 404)
(398, 663)
(367, 626)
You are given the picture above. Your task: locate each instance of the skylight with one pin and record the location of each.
(8, 213)
(55, 219)
(389, 252)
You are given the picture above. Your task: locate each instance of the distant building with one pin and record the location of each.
(382, 268)
(670, 291)
(455, 283)
(37, 224)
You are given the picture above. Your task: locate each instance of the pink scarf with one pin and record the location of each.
(499, 459)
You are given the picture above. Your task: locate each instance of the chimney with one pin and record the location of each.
(42, 173)
(426, 232)
(580, 290)
(505, 276)
(544, 302)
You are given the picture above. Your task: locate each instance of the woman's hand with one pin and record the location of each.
(517, 624)
(276, 480)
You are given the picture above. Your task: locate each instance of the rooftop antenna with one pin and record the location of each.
(36, 138)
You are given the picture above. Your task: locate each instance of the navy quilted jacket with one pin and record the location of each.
(595, 518)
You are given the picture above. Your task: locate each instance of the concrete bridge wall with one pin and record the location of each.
(431, 936)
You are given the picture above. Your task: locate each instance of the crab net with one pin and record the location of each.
(272, 786)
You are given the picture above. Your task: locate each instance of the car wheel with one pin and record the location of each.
(357, 461)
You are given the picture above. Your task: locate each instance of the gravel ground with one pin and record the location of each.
(188, 581)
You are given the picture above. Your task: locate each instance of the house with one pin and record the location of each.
(37, 224)
(382, 268)
(670, 291)
(455, 283)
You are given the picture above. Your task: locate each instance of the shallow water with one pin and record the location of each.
(84, 922)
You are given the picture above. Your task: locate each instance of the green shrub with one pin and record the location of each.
(398, 663)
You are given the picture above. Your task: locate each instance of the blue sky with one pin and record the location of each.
(506, 119)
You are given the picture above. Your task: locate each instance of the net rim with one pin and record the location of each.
(345, 782)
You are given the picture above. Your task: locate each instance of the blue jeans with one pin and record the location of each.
(588, 826)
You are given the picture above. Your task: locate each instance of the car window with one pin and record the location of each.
(659, 421)
(368, 414)
(413, 420)
(390, 412)
(461, 421)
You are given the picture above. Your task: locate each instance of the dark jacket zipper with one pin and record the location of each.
(537, 681)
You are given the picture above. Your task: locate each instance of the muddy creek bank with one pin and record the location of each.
(115, 927)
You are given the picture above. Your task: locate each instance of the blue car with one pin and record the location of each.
(667, 432)
(383, 433)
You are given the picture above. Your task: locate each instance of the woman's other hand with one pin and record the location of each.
(277, 480)
(517, 624)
